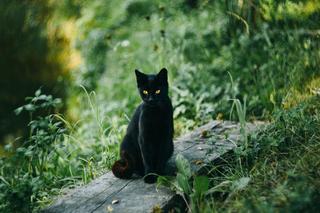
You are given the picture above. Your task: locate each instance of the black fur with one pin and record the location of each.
(148, 145)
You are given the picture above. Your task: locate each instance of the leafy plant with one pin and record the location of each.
(27, 172)
(192, 191)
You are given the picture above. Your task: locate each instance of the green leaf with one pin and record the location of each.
(200, 185)
(18, 110)
(183, 166)
(165, 180)
(30, 107)
(183, 183)
(38, 92)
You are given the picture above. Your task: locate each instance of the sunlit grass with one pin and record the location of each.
(279, 169)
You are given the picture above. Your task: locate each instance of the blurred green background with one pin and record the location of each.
(264, 52)
(270, 48)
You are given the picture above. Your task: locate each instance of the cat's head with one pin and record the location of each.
(153, 88)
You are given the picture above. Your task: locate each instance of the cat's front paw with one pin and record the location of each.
(150, 178)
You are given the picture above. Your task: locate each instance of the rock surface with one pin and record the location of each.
(110, 194)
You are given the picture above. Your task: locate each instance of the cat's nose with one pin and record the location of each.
(151, 99)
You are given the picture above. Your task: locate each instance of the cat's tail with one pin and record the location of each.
(124, 167)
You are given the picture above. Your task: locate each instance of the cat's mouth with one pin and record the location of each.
(152, 103)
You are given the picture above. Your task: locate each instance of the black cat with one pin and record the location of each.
(148, 145)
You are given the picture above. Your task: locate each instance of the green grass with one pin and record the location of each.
(283, 164)
(280, 169)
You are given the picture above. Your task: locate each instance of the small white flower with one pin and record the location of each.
(125, 43)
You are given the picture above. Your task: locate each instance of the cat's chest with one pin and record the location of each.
(154, 118)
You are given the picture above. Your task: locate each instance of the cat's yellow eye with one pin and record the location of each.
(145, 92)
(158, 91)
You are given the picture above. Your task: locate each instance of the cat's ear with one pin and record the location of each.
(141, 78)
(163, 75)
